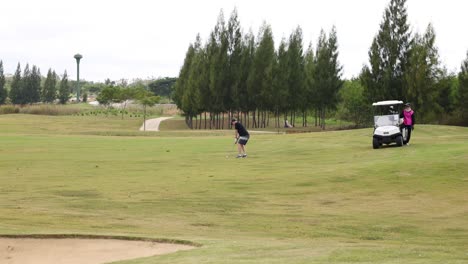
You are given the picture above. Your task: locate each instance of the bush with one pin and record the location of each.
(9, 109)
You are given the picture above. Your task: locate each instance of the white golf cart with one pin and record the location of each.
(387, 124)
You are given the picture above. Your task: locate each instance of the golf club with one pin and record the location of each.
(229, 150)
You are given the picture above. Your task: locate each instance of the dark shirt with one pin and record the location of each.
(241, 130)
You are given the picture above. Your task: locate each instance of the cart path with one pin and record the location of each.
(153, 124)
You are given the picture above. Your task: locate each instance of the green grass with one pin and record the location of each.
(324, 197)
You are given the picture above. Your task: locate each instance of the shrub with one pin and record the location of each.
(9, 109)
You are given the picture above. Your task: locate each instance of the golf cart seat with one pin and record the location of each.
(386, 120)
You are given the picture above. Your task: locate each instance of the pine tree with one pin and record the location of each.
(248, 53)
(16, 87)
(234, 36)
(182, 88)
(3, 91)
(64, 90)
(26, 84)
(422, 74)
(388, 55)
(296, 80)
(261, 77)
(182, 81)
(218, 56)
(203, 93)
(35, 85)
(335, 71)
(191, 99)
(49, 92)
(320, 76)
(310, 87)
(281, 91)
(327, 74)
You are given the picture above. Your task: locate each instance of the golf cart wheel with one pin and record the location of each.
(399, 141)
(404, 133)
(375, 143)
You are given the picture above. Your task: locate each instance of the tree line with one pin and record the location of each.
(27, 87)
(237, 74)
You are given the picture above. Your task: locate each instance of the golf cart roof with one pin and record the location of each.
(391, 102)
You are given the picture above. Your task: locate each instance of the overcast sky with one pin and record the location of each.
(149, 38)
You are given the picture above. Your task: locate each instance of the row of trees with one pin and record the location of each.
(247, 77)
(244, 76)
(27, 88)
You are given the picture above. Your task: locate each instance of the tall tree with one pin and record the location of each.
(327, 74)
(49, 91)
(422, 74)
(234, 36)
(16, 87)
(296, 80)
(261, 76)
(388, 55)
(64, 90)
(3, 91)
(335, 70)
(182, 85)
(35, 85)
(26, 84)
(320, 76)
(281, 91)
(191, 100)
(218, 55)
(248, 52)
(182, 81)
(310, 86)
(447, 89)
(200, 81)
(463, 89)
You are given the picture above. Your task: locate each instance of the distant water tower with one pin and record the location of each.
(78, 58)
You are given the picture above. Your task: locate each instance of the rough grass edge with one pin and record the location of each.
(41, 109)
(85, 236)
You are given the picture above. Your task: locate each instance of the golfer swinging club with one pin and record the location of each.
(242, 137)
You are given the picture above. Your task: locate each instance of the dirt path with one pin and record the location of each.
(153, 124)
(78, 251)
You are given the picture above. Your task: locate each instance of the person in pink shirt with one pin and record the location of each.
(408, 121)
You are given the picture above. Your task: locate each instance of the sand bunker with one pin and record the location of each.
(79, 251)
